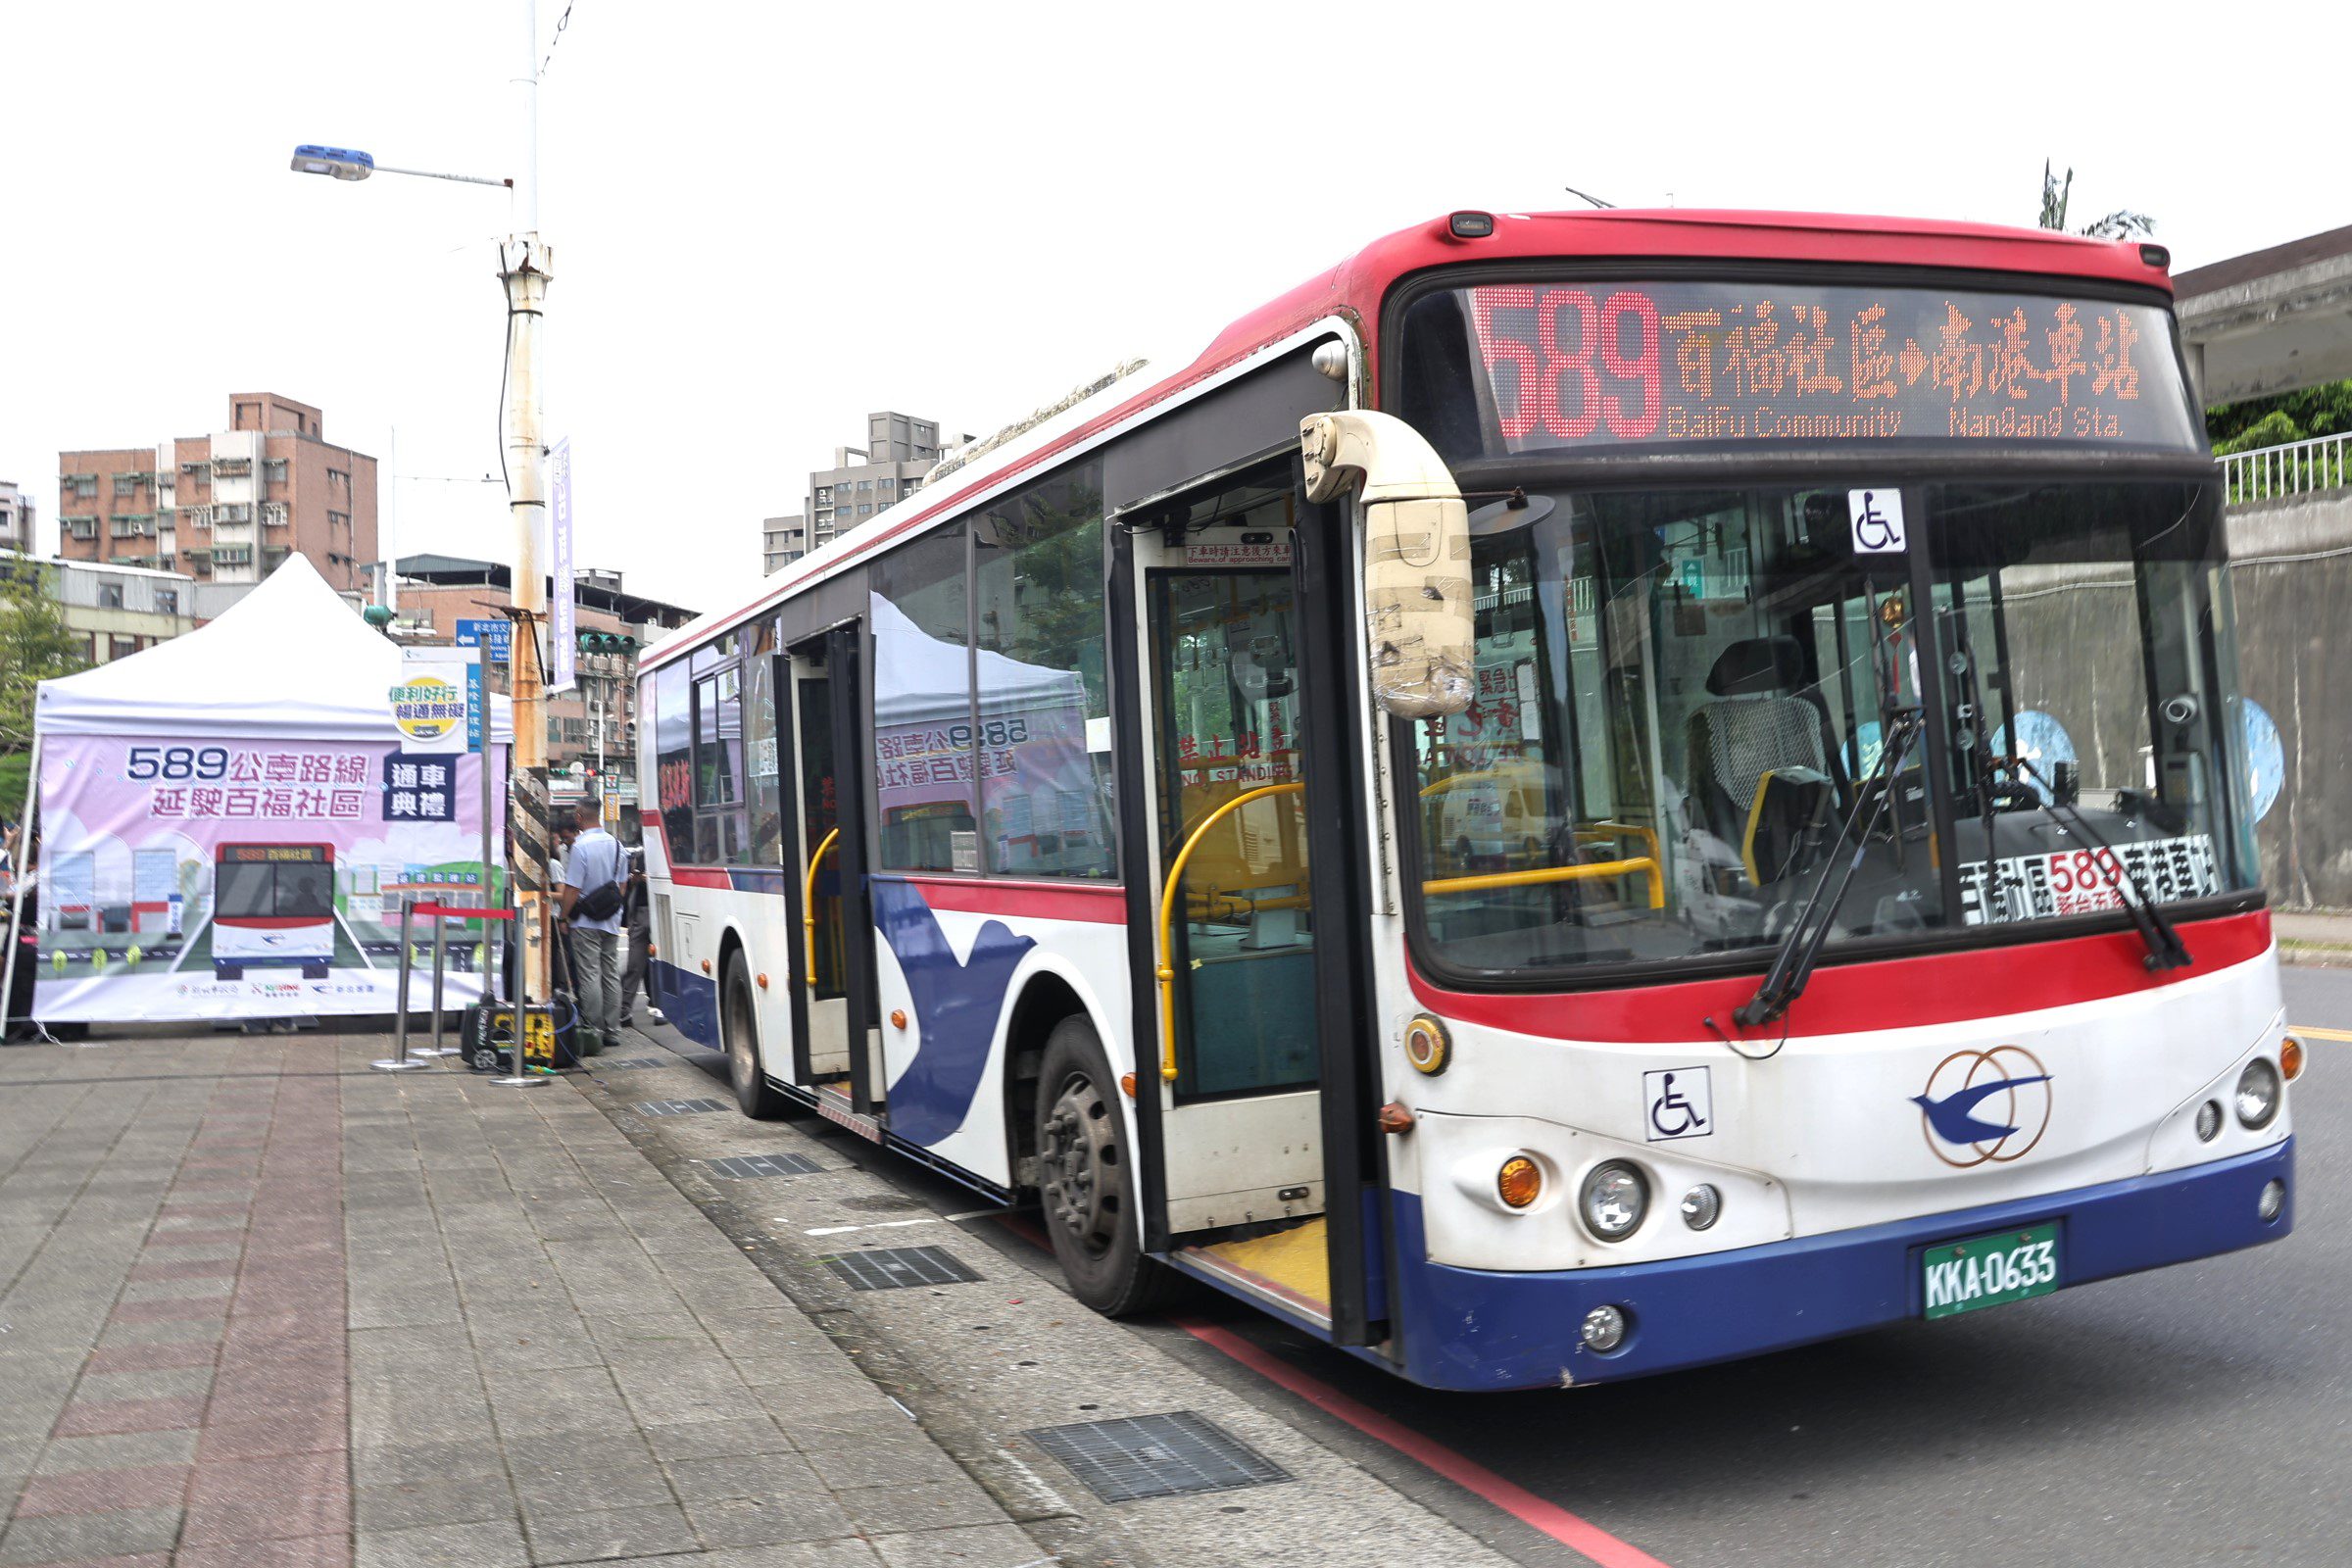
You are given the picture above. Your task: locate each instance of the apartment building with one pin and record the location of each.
(112, 610)
(900, 449)
(226, 507)
(15, 518)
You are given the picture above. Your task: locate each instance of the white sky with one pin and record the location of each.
(771, 218)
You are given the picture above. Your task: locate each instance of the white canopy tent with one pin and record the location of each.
(291, 659)
(293, 673)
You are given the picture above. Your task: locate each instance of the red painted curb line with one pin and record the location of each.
(1576, 1534)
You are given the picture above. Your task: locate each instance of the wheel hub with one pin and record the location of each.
(1078, 1166)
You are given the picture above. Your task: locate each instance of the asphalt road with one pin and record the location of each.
(2199, 1414)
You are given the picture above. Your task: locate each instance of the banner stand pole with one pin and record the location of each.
(400, 1060)
(19, 879)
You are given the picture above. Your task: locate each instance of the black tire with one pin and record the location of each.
(1086, 1179)
(739, 1032)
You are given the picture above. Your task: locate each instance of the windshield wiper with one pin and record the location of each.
(2166, 949)
(1802, 948)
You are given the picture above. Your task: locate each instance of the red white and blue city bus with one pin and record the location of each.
(274, 907)
(1580, 795)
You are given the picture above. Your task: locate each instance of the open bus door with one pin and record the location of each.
(1261, 1167)
(834, 1020)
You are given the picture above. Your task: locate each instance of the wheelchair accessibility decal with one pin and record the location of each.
(1680, 1104)
(1877, 520)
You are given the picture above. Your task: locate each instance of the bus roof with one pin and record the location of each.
(1353, 289)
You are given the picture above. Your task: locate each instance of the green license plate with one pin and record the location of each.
(1988, 1270)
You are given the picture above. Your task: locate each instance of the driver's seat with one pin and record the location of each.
(1759, 756)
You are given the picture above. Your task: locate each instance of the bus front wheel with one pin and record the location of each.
(1085, 1185)
(740, 1019)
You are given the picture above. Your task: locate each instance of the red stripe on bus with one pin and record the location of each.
(1577, 1534)
(1854, 998)
(980, 895)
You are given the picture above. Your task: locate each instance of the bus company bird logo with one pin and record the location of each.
(1985, 1106)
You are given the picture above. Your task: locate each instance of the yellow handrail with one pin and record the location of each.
(1647, 836)
(1557, 873)
(1167, 915)
(809, 899)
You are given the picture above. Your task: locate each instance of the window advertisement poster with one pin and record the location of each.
(252, 878)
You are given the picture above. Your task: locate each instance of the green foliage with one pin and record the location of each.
(34, 647)
(15, 773)
(2122, 224)
(2276, 421)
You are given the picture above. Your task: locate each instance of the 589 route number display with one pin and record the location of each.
(1594, 365)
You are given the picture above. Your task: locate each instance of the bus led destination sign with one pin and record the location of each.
(1596, 365)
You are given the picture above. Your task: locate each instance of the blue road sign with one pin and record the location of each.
(493, 637)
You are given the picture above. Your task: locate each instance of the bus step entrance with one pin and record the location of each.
(834, 1106)
(1289, 1269)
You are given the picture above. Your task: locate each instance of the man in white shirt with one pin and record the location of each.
(595, 862)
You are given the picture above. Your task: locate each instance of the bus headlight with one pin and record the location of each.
(1614, 1199)
(1603, 1329)
(2258, 1093)
(1702, 1206)
(2209, 1121)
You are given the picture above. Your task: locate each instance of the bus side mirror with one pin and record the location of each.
(1416, 557)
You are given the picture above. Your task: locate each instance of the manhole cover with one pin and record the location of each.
(883, 1203)
(747, 1167)
(679, 1108)
(1157, 1456)
(894, 1268)
(634, 1061)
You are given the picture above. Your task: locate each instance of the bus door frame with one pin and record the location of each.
(1327, 585)
(1355, 1164)
(793, 847)
(849, 652)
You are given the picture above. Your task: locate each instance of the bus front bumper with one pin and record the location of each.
(1479, 1329)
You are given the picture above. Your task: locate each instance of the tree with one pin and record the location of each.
(2282, 417)
(34, 647)
(2122, 224)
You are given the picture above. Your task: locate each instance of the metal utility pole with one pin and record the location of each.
(526, 267)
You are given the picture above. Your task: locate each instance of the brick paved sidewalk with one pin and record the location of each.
(261, 1306)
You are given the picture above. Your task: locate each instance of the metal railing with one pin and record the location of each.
(2267, 474)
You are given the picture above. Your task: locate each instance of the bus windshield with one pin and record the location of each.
(1684, 693)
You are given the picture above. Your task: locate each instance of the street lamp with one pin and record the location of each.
(525, 266)
(348, 162)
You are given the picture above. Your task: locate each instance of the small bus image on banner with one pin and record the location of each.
(274, 905)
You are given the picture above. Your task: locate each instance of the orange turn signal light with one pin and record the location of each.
(706, 966)
(2290, 1058)
(1127, 1084)
(651, 952)
(763, 982)
(1520, 1181)
(898, 1017)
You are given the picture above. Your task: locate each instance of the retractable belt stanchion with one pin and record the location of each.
(441, 917)
(400, 1060)
(523, 1077)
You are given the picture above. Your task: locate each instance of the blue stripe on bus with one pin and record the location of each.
(1478, 1329)
(957, 1003)
(690, 1002)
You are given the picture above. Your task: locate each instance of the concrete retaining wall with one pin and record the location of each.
(2291, 576)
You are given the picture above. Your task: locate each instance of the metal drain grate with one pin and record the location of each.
(679, 1108)
(894, 1268)
(1157, 1456)
(745, 1167)
(634, 1061)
